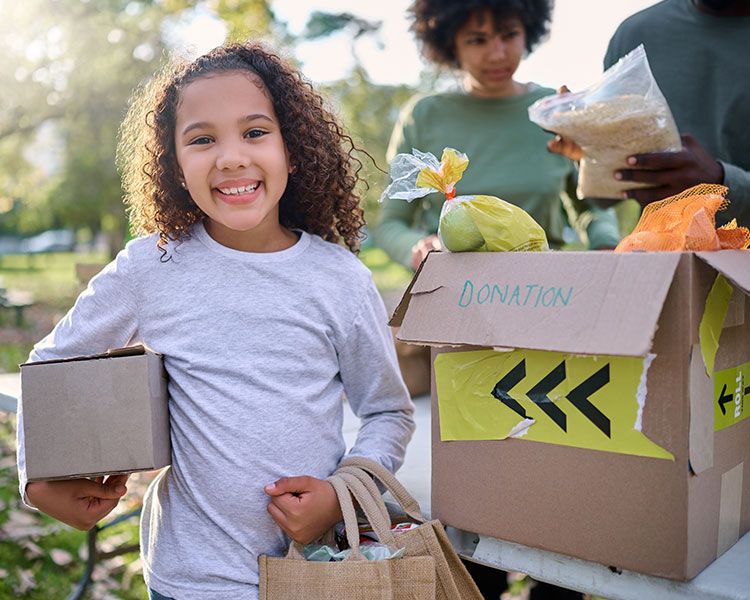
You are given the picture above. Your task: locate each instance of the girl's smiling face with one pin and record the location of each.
(489, 53)
(234, 160)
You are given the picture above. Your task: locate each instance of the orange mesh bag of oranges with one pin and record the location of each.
(686, 222)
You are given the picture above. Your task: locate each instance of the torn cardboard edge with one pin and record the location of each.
(701, 433)
(398, 315)
(136, 350)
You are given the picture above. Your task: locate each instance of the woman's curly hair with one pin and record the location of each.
(435, 22)
(320, 196)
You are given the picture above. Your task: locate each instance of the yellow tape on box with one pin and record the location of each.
(583, 401)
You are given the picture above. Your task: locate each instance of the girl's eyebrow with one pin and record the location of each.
(205, 124)
(475, 32)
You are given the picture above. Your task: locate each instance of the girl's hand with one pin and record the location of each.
(560, 145)
(566, 147)
(304, 507)
(81, 503)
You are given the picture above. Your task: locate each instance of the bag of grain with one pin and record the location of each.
(624, 113)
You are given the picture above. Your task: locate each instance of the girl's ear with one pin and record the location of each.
(291, 168)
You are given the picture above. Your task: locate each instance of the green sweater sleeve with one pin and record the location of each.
(596, 227)
(738, 182)
(397, 231)
(603, 229)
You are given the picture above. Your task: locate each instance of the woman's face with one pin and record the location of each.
(489, 52)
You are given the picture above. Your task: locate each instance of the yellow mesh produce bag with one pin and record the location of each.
(686, 222)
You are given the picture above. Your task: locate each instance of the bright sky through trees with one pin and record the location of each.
(572, 55)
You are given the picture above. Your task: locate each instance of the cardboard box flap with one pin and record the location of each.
(113, 353)
(577, 302)
(733, 264)
(398, 314)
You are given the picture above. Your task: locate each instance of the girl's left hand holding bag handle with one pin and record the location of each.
(294, 578)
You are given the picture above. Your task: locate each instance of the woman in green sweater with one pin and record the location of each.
(487, 120)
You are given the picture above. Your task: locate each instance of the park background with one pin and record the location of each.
(68, 69)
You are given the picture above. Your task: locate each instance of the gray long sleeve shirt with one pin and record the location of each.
(259, 349)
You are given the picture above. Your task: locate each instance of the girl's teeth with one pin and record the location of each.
(240, 190)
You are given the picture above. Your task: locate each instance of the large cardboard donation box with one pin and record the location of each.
(590, 403)
(95, 415)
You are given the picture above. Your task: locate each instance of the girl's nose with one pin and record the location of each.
(232, 156)
(496, 47)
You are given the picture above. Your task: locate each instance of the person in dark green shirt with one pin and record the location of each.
(488, 121)
(699, 53)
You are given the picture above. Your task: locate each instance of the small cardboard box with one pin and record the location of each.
(590, 403)
(95, 415)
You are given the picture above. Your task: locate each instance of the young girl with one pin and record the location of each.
(242, 184)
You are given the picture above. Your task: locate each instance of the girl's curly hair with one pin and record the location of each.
(320, 197)
(435, 22)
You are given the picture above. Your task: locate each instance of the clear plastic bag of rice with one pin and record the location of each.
(623, 114)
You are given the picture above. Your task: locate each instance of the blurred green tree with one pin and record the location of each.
(368, 110)
(70, 67)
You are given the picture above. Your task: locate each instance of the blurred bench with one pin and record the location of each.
(17, 300)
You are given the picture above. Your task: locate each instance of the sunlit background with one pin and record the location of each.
(70, 65)
(67, 70)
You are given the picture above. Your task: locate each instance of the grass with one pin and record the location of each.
(51, 278)
(386, 274)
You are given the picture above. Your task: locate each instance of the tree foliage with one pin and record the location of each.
(72, 66)
(69, 68)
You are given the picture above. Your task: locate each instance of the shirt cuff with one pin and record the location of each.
(603, 230)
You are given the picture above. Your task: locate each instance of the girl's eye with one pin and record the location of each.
(204, 139)
(255, 133)
(476, 41)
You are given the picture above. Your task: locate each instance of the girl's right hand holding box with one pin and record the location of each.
(81, 503)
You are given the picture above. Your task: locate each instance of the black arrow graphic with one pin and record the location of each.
(538, 395)
(724, 398)
(507, 383)
(579, 397)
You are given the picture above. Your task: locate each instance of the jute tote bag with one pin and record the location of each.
(354, 578)
(428, 539)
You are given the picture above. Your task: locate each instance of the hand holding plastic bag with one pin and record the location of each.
(467, 223)
(623, 114)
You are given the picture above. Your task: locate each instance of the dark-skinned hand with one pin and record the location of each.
(670, 172)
